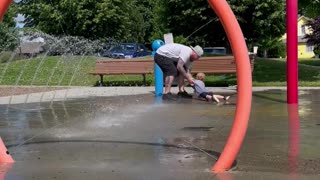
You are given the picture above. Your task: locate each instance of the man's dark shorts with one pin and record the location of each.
(167, 65)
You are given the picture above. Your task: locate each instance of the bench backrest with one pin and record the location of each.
(207, 65)
(217, 65)
(124, 67)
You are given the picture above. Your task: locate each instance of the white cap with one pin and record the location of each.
(198, 50)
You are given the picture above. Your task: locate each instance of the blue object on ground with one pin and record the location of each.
(158, 74)
(158, 78)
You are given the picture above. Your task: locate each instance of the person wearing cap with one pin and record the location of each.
(175, 59)
(201, 91)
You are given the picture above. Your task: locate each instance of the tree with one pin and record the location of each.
(143, 17)
(86, 18)
(182, 18)
(8, 34)
(309, 8)
(258, 19)
(314, 37)
(122, 20)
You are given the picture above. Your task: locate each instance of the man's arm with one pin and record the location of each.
(183, 71)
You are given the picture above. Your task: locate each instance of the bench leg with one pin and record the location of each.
(144, 80)
(101, 80)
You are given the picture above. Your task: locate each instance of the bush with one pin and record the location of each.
(272, 48)
(8, 38)
(6, 56)
(279, 50)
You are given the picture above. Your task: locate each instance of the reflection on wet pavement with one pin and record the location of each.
(140, 137)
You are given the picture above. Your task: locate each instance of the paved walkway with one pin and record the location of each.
(83, 92)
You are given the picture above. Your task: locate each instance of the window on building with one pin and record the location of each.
(303, 29)
(310, 48)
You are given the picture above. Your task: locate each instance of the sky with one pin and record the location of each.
(19, 21)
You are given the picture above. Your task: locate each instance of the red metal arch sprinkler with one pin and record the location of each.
(5, 157)
(4, 4)
(244, 79)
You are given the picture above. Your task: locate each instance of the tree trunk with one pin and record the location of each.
(265, 53)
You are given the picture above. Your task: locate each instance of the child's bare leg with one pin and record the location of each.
(218, 96)
(222, 97)
(213, 98)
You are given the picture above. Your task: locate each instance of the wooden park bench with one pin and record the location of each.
(122, 67)
(218, 65)
(207, 65)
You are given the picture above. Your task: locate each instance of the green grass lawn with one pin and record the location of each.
(273, 73)
(73, 71)
(310, 62)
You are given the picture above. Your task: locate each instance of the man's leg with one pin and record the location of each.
(182, 92)
(181, 83)
(168, 84)
(169, 70)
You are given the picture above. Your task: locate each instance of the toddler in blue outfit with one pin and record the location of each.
(201, 91)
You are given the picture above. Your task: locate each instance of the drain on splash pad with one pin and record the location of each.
(198, 128)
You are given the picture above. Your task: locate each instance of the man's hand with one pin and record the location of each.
(190, 79)
(191, 82)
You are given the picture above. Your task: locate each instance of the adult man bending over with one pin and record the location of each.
(175, 59)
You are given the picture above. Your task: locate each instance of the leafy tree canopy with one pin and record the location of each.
(259, 20)
(192, 21)
(8, 33)
(314, 37)
(86, 18)
(309, 8)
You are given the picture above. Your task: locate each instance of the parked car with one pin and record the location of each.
(126, 51)
(214, 51)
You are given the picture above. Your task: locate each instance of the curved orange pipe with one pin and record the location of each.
(5, 157)
(244, 79)
(4, 4)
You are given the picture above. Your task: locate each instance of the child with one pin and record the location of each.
(201, 91)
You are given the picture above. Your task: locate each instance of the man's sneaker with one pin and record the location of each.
(169, 96)
(184, 94)
(214, 98)
(226, 98)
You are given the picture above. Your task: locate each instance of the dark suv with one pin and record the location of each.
(126, 51)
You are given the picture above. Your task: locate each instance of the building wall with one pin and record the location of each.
(303, 52)
(301, 22)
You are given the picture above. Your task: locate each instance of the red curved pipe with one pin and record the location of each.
(244, 79)
(4, 156)
(4, 4)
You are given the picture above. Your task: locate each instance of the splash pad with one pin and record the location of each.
(242, 112)
(243, 77)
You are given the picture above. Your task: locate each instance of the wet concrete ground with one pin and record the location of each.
(140, 137)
